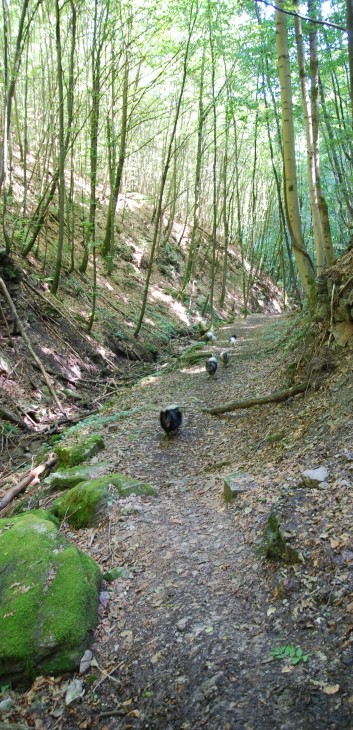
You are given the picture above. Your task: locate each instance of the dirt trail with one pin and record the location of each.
(187, 639)
(192, 632)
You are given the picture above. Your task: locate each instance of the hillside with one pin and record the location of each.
(99, 362)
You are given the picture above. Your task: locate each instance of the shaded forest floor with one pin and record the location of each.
(185, 640)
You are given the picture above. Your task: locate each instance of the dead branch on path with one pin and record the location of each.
(31, 478)
(277, 397)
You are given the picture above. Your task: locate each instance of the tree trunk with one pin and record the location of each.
(197, 185)
(59, 254)
(304, 264)
(108, 245)
(165, 172)
(323, 208)
(314, 203)
(349, 16)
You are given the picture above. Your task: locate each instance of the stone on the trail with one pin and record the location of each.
(86, 661)
(72, 475)
(314, 477)
(182, 624)
(88, 503)
(6, 704)
(74, 692)
(48, 599)
(115, 574)
(80, 451)
(274, 546)
(236, 484)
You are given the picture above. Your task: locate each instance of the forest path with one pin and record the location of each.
(185, 641)
(189, 636)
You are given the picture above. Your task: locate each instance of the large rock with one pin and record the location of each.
(87, 503)
(48, 599)
(80, 451)
(72, 475)
(314, 477)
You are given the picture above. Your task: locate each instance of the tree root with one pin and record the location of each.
(277, 397)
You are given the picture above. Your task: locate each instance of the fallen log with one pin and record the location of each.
(277, 397)
(31, 478)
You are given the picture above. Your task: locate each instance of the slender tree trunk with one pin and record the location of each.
(314, 203)
(165, 171)
(108, 245)
(343, 189)
(225, 214)
(214, 167)
(197, 186)
(304, 264)
(314, 75)
(96, 80)
(10, 78)
(59, 254)
(349, 16)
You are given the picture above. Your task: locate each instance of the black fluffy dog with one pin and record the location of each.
(170, 419)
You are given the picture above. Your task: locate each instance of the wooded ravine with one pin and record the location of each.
(176, 332)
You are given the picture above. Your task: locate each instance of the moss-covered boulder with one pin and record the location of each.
(80, 451)
(72, 475)
(48, 599)
(87, 503)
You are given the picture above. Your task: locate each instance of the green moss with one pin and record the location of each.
(85, 504)
(43, 514)
(274, 546)
(79, 452)
(72, 475)
(115, 573)
(48, 598)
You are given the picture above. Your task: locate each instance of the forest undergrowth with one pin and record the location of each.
(203, 631)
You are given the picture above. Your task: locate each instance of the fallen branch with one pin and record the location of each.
(31, 478)
(25, 337)
(278, 397)
(10, 416)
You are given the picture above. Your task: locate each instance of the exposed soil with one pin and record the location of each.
(186, 640)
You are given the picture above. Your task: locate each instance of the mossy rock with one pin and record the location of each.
(86, 504)
(48, 599)
(274, 546)
(72, 475)
(43, 514)
(115, 574)
(79, 452)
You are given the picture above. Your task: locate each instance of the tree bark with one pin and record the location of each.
(277, 397)
(314, 203)
(165, 172)
(304, 264)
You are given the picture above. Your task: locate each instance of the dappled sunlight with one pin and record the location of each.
(131, 201)
(159, 294)
(194, 370)
(150, 321)
(179, 310)
(177, 307)
(108, 286)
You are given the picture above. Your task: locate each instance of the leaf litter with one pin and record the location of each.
(185, 639)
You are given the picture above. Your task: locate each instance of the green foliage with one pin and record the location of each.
(289, 651)
(8, 429)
